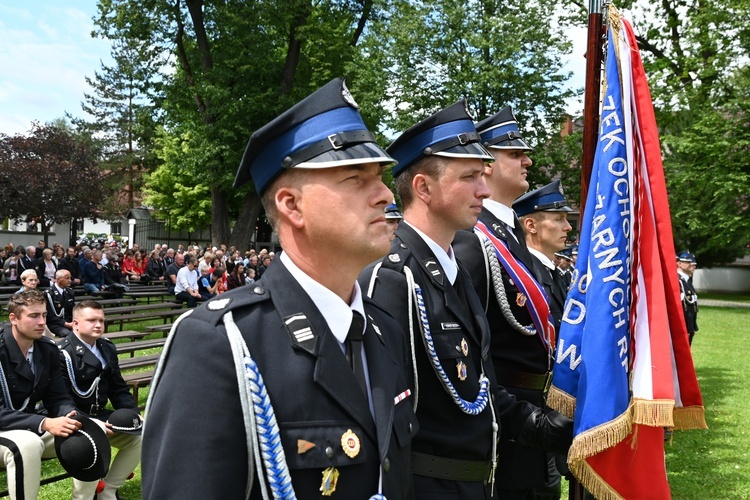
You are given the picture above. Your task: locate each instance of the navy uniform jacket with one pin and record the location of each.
(86, 367)
(689, 304)
(455, 315)
(46, 385)
(554, 286)
(194, 445)
(520, 467)
(59, 309)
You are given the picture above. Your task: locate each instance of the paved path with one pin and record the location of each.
(722, 303)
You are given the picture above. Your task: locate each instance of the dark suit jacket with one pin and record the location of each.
(46, 385)
(23, 264)
(86, 367)
(40, 267)
(194, 444)
(519, 467)
(72, 265)
(59, 310)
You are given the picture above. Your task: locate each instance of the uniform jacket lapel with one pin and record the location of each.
(432, 269)
(332, 372)
(84, 354)
(16, 357)
(383, 369)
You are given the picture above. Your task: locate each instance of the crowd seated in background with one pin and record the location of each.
(113, 268)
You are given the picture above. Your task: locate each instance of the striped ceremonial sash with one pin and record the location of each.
(536, 298)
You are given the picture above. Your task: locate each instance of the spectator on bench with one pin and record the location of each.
(172, 269)
(93, 273)
(155, 267)
(29, 280)
(92, 376)
(60, 303)
(186, 289)
(31, 369)
(70, 262)
(45, 268)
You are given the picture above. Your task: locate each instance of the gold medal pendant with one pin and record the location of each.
(464, 347)
(520, 300)
(350, 443)
(461, 367)
(330, 478)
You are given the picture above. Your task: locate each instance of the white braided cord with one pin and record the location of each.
(71, 374)
(496, 271)
(471, 408)
(6, 392)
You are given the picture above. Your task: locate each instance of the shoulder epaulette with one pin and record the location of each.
(47, 340)
(213, 311)
(397, 257)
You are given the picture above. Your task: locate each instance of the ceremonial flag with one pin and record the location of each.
(623, 368)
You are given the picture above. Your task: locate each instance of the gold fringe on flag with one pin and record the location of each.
(654, 413)
(601, 437)
(559, 400)
(690, 417)
(593, 482)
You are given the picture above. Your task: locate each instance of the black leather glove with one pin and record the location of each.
(551, 431)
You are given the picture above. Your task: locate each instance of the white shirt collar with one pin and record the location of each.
(336, 312)
(94, 350)
(502, 212)
(59, 289)
(447, 260)
(683, 275)
(542, 258)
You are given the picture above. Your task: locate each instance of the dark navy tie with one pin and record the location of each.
(354, 349)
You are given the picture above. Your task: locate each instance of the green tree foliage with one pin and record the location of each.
(123, 121)
(49, 175)
(490, 52)
(234, 66)
(695, 54)
(708, 174)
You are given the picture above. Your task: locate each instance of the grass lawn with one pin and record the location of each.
(702, 464)
(715, 463)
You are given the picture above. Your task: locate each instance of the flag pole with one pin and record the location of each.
(591, 95)
(590, 133)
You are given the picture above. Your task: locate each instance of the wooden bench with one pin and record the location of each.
(138, 380)
(136, 308)
(139, 345)
(125, 334)
(122, 318)
(140, 361)
(164, 329)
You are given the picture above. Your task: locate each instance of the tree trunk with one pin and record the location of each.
(219, 217)
(244, 228)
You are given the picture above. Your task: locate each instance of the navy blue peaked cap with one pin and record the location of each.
(392, 212)
(500, 131)
(565, 253)
(324, 130)
(549, 198)
(686, 257)
(449, 132)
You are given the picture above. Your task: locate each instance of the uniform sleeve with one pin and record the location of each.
(194, 442)
(57, 399)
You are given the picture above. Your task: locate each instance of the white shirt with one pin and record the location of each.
(336, 312)
(186, 279)
(447, 260)
(503, 213)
